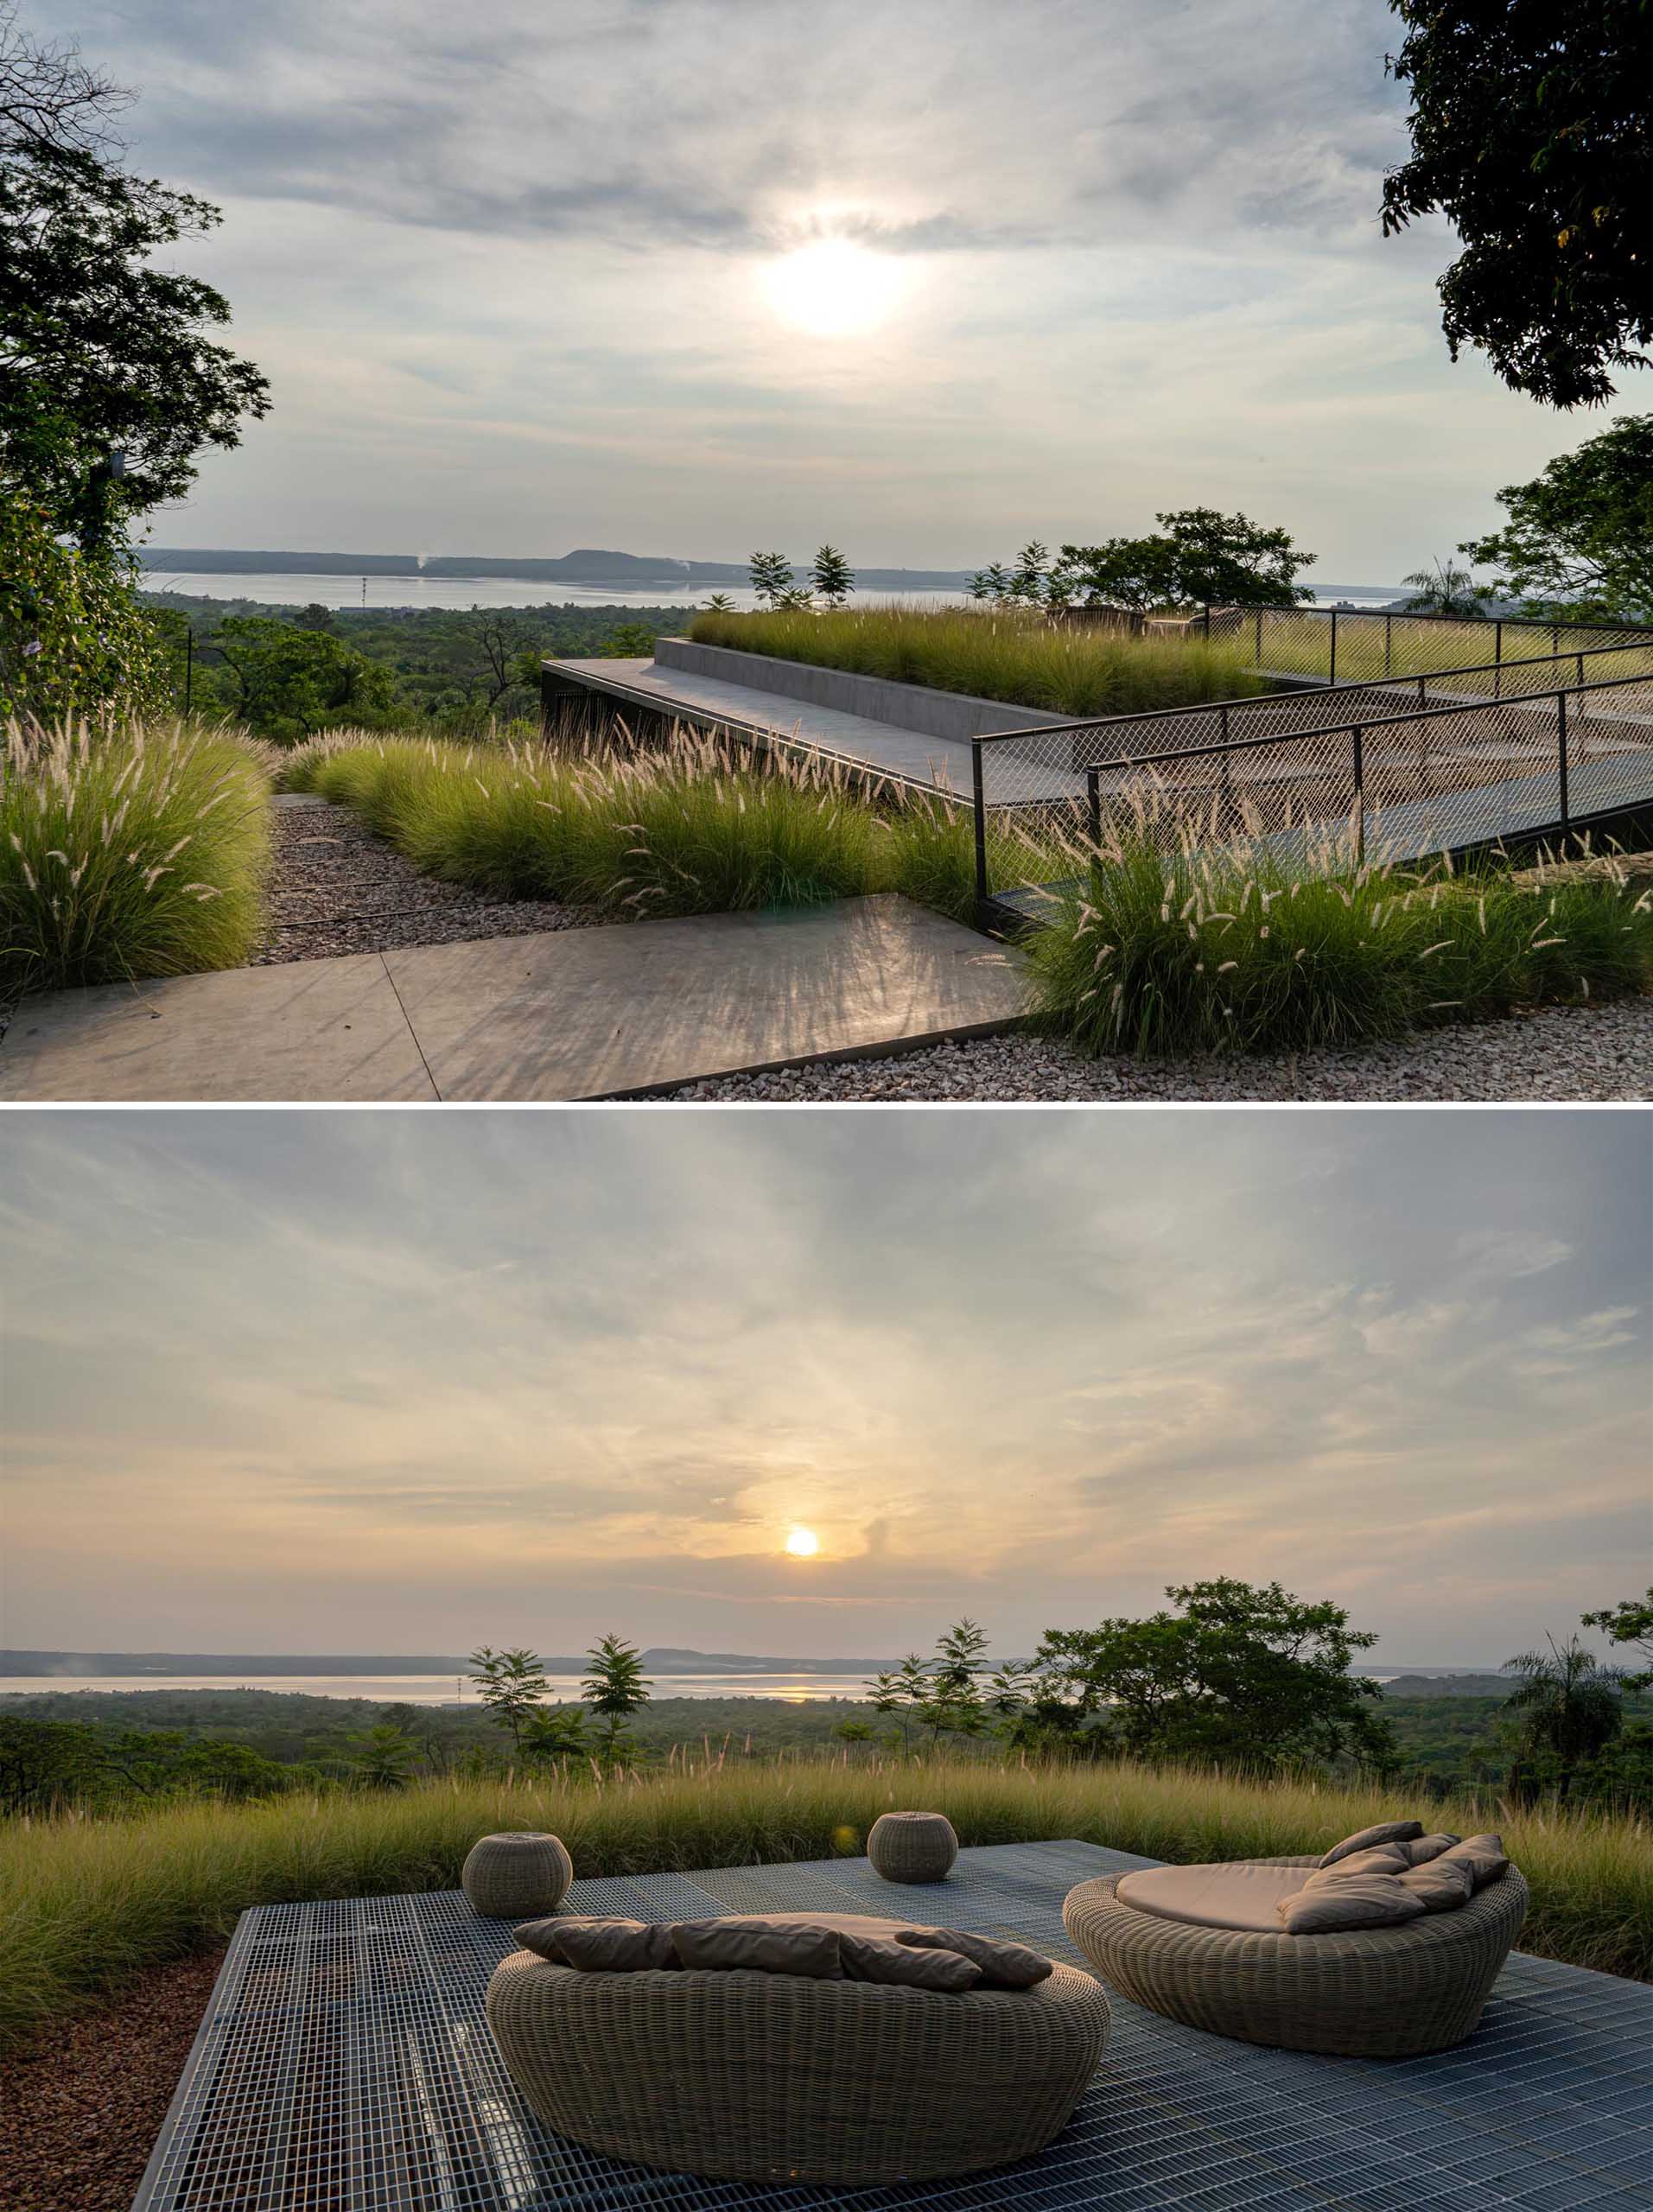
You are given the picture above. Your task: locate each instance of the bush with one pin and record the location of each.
(125, 853)
(1019, 656)
(1226, 950)
(74, 639)
(695, 827)
(92, 1902)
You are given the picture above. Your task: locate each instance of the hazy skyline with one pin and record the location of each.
(331, 1381)
(528, 279)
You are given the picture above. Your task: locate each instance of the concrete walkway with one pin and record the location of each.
(571, 1015)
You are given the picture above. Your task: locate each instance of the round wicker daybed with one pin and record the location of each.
(777, 2077)
(1374, 1992)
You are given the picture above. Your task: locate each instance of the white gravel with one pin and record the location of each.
(1562, 1053)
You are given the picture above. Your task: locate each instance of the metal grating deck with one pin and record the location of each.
(344, 2066)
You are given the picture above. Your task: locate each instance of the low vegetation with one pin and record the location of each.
(1232, 950)
(92, 1902)
(1017, 656)
(131, 852)
(691, 827)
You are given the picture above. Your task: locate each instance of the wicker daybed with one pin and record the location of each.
(774, 2077)
(1372, 1993)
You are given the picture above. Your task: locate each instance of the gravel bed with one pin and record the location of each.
(1560, 1053)
(81, 2106)
(336, 887)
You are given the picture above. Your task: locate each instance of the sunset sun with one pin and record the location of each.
(833, 288)
(803, 1543)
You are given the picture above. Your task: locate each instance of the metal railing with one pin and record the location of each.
(1361, 643)
(1395, 783)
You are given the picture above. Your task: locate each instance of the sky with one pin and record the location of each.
(527, 277)
(305, 1382)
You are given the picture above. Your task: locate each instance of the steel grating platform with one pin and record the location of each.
(344, 2065)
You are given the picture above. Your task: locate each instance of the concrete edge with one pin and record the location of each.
(843, 1056)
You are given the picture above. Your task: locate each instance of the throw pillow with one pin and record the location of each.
(597, 1945)
(1383, 1858)
(760, 1946)
(1482, 1854)
(873, 1958)
(1442, 1885)
(1004, 1966)
(1364, 1839)
(1427, 1847)
(1363, 1901)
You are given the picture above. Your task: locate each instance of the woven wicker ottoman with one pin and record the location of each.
(1374, 1992)
(912, 1846)
(778, 2078)
(516, 1877)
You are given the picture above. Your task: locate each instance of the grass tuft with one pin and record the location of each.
(691, 827)
(1018, 657)
(1231, 950)
(92, 1902)
(128, 853)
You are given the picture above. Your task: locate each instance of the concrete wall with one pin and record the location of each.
(908, 706)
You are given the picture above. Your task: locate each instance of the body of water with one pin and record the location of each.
(463, 592)
(435, 1689)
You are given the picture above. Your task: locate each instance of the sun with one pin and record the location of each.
(803, 1543)
(833, 288)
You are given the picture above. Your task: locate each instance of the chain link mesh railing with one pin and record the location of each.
(1388, 771)
(1359, 645)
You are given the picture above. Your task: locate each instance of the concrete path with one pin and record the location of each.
(574, 1014)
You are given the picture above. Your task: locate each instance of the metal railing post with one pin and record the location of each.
(1093, 806)
(981, 823)
(1560, 718)
(1208, 622)
(1332, 673)
(1388, 645)
(1359, 737)
(1259, 659)
(1498, 660)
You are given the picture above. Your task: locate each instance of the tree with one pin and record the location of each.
(1579, 543)
(720, 603)
(285, 682)
(831, 579)
(1240, 1676)
(1200, 558)
(1568, 1708)
(1631, 1621)
(1529, 128)
(1134, 573)
(615, 1688)
(559, 1734)
(1229, 560)
(954, 1705)
(1447, 589)
(73, 640)
(499, 644)
(771, 576)
(102, 349)
(511, 1684)
(384, 1757)
(628, 641)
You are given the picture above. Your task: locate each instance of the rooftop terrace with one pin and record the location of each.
(344, 2062)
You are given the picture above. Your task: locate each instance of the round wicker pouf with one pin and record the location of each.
(516, 1877)
(911, 1846)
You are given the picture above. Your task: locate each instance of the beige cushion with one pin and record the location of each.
(875, 1958)
(1364, 1839)
(1425, 1847)
(1443, 1884)
(760, 1945)
(1243, 1894)
(597, 1945)
(1482, 1854)
(1004, 1966)
(1383, 1858)
(1358, 1901)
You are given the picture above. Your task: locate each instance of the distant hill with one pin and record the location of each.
(663, 1660)
(587, 564)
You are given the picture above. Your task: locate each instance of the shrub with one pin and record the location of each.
(90, 1902)
(1018, 657)
(1230, 949)
(125, 853)
(74, 638)
(693, 827)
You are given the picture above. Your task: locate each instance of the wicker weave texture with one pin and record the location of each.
(775, 2077)
(516, 1877)
(1381, 1992)
(912, 1846)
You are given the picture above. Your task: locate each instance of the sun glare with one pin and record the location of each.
(834, 288)
(803, 1543)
